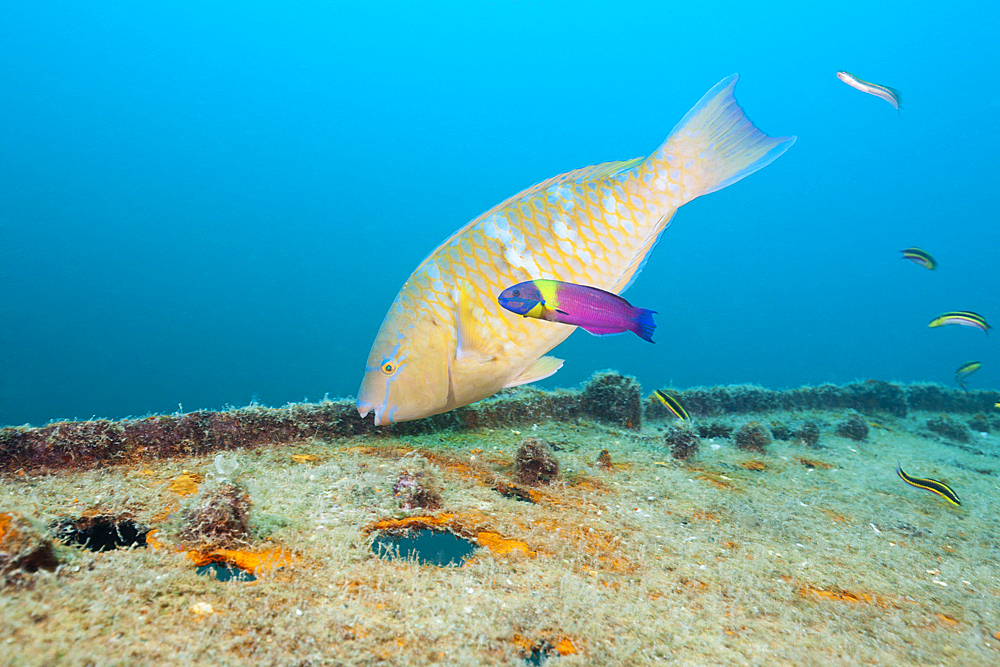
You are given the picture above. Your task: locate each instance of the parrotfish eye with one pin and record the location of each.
(388, 367)
(516, 292)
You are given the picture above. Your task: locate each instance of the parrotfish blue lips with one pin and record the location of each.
(364, 407)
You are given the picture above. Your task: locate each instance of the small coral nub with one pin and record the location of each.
(535, 464)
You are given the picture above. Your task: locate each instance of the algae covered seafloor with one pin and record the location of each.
(785, 537)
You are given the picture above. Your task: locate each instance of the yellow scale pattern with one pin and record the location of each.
(606, 226)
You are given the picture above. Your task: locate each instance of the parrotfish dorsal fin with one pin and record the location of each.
(596, 172)
(542, 368)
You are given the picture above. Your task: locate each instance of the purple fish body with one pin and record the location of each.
(594, 310)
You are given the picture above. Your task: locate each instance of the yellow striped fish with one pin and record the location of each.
(932, 485)
(965, 370)
(446, 342)
(920, 257)
(672, 404)
(966, 318)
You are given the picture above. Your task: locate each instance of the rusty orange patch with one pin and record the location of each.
(756, 465)
(839, 518)
(604, 546)
(466, 525)
(839, 596)
(303, 458)
(565, 646)
(811, 463)
(257, 562)
(946, 619)
(517, 492)
(154, 542)
(185, 484)
(562, 645)
(412, 523)
(501, 545)
(5, 520)
(717, 481)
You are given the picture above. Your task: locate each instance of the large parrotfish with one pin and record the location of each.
(446, 342)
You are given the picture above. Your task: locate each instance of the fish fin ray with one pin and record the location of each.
(645, 326)
(716, 143)
(540, 369)
(598, 172)
(719, 142)
(602, 331)
(470, 346)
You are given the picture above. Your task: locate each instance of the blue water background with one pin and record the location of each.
(206, 204)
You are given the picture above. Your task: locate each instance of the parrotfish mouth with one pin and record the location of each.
(364, 408)
(383, 414)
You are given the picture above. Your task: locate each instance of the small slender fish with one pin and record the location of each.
(921, 257)
(965, 370)
(931, 485)
(672, 404)
(890, 95)
(594, 310)
(966, 318)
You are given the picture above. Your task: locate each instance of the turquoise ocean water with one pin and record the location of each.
(206, 204)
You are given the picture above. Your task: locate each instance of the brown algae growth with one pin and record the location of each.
(808, 551)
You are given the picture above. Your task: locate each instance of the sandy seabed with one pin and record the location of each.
(803, 553)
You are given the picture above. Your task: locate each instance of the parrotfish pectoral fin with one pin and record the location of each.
(718, 142)
(541, 369)
(471, 345)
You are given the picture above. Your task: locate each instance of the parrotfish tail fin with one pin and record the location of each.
(713, 146)
(644, 324)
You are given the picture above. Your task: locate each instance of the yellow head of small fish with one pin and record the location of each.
(403, 381)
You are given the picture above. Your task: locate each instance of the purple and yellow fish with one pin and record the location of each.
(594, 310)
(446, 342)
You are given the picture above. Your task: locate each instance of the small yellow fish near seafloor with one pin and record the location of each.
(446, 342)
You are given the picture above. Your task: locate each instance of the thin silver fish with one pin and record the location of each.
(890, 95)
(446, 341)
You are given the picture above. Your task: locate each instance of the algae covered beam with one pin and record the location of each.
(84, 444)
(608, 397)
